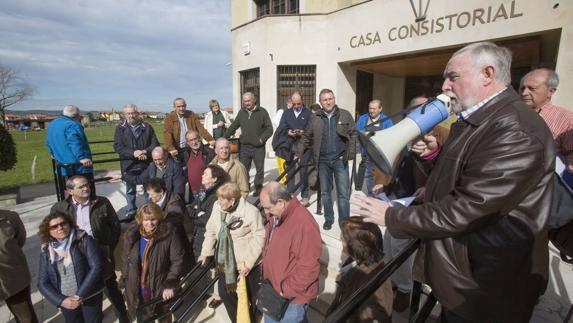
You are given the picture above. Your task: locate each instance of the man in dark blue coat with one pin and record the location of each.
(133, 141)
(162, 167)
(294, 121)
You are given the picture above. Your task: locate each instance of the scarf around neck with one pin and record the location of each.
(226, 263)
(60, 250)
(150, 237)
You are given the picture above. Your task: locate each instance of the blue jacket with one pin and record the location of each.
(361, 126)
(174, 177)
(88, 267)
(68, 144)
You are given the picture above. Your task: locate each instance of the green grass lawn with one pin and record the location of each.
(33, 144)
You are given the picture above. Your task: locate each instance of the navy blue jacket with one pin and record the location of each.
(125, 143)
(88, 267)
(68, 144)
(174, 177)
(289, 121)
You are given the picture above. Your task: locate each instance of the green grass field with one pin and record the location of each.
(33, 144)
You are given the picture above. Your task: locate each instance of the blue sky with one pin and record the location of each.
(102, 54)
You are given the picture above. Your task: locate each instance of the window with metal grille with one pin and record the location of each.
(292, 78)
(250, 82)
(276, 7)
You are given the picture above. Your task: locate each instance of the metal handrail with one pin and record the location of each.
(184, 288)
(366, 290)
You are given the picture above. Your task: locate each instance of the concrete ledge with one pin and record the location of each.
(8, 199)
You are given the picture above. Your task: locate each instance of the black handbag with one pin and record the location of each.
(270, 302)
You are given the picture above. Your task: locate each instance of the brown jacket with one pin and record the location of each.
(377, 307)
(171, 130)
(484, 221)
(14, 276)
(165, 263)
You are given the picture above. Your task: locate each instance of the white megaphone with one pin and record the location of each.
(383, 147)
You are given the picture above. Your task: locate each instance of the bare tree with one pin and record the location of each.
(12, 90)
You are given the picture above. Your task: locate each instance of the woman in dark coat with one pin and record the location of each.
(70, 274)
(363, 242)
(152, 259)
(213, 177)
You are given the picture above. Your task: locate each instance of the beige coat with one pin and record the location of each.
(238, 174)
(248, 239)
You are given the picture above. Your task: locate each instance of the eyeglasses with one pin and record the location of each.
(62, 224)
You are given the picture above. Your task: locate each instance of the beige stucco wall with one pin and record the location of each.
(325, 40)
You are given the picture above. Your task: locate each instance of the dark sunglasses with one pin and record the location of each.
(62, 224)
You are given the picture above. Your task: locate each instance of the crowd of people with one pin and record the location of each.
(483, 188)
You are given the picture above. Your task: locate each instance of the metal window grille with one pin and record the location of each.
(250, 82)
(292, 78)
(276, 7)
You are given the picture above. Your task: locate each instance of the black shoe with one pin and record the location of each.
(401, 301)
(327, 225)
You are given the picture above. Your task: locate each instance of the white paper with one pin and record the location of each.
(402, 202)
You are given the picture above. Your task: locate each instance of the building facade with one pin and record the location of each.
(391, 50)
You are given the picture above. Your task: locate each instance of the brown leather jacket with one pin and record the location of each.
(171, 130)
(166, 260)
(484, 221)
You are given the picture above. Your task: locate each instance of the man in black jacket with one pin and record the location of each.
(162, 167)
(97, 217)
(256, 129)
(133, 141)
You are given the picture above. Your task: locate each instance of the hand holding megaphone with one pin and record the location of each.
(423, 147)
(384, 147)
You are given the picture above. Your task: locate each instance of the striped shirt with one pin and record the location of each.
(465, 114)
(560, 122)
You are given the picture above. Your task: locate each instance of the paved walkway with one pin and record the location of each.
(552, 308)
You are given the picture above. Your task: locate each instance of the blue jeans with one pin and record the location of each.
(326, 170)
(130, 196)
(295, 313)
(368, 175)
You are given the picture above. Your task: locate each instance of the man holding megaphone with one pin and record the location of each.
(483, 223)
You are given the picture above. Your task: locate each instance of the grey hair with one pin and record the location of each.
(488, 53)
(71, 111)
(293, 94)
(220, 140)
(253, 97)
(278, 191)
(70, 181)
(190, 131)
(130, 106)
(552, 81)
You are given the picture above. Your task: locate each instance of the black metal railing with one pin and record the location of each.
(186, 286)
(370, 287)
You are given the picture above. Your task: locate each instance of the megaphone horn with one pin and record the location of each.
(383, 147)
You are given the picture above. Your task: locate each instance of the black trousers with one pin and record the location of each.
(115, 297)
(248, 154)
(20, 304)
(230, 299)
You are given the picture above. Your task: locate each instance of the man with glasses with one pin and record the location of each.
(197, 157)
(162, 167)
(97, 217)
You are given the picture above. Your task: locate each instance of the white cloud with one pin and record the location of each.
(119, 51)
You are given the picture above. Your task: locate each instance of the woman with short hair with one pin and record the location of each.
(363, 242)
(70, 274)
(216, 120)
(152, 260)
(236, 228)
